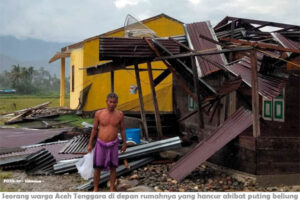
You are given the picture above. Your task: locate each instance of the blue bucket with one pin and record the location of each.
(133, 135)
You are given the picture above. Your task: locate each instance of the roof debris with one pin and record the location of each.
(232, 127)
(208, 47)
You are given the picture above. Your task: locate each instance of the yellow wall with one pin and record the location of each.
(125, 78)
(76, 59)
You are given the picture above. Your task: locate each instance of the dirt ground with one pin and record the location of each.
(19, 181)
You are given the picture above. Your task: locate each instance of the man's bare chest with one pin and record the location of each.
(109, 120)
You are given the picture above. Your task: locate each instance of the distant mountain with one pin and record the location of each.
(29, 52)
(6, 62)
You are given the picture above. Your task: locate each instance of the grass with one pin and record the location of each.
(13, 102)
(5, 175)
(73, 117)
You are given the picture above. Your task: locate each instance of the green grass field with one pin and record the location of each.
(13, 102)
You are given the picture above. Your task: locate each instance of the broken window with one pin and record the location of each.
(134, 28)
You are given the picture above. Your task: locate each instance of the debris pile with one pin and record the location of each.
(38, 152)
(38, 112)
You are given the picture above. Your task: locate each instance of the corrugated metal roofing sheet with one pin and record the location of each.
(111, 48)
(199, 44)
(230, 85)
(120, 171)
(269, 87)
(78, 144)
(232, 127)
(285, 42)
(54, 148)
(16, 137)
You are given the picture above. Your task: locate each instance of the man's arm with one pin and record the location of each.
(94, 131)
(123, 134)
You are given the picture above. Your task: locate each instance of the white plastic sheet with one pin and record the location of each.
(85, 166)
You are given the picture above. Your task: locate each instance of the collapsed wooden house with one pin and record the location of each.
(234, 86)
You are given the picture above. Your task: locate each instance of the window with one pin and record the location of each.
(192, 105)
(72, 84)
(273, 109)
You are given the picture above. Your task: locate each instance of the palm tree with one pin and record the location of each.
(15, 75)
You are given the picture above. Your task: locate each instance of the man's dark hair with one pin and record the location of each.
(112, 95)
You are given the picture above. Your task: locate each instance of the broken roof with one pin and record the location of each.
(65, 51)
(16, 137)
(268, 86)
(200, 44)
(232, 127)
(54, 148)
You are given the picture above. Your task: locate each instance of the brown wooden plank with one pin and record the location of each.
(278, 143)
(247, 142)
(227, 131)
(246, 155)
(197, 91)
(260, 45)
(154, 99)
(112, 81)
(278, 156)
(255, 97)
(180, 80)
(142, 110)
(265, 168)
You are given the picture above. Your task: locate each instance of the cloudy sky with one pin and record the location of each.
(75, 20)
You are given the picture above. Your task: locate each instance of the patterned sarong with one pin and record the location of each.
(106, 154)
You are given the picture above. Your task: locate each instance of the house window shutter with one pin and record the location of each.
(191, 103)
(278, 108)
(274, 109)
(267, 109)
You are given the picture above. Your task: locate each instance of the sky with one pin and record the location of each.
(76, 20)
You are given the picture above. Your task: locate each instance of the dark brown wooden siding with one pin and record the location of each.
(276, 151)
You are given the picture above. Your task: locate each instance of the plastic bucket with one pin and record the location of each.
(133, 135)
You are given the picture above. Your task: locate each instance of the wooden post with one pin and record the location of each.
(62, 82)
(255, 97)
(143, 115)
(173, 71)
(197, 90)
(155, 104)
(232, 103)
(112, 80)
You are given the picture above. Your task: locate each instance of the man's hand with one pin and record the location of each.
(90, 148)
(123, 149)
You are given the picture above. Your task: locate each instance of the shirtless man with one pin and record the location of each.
(107, 123)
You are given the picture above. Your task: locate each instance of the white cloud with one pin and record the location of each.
(124, 3)
(195, 2)
(75, 20)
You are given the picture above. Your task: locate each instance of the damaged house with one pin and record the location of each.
(235, 86)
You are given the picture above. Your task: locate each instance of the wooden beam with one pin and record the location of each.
(161, 77)
(203, 53)
(197, 91)
(255, 97)
(142, 110)
(112, 81)
(252, 21)
(179, 79)
(260, 45)
(62, 83)
(155, 103)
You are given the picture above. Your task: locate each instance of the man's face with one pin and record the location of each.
(111, 103)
